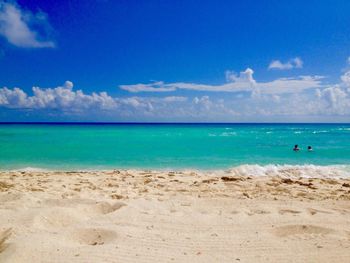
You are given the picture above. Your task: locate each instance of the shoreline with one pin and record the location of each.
(147, 216)
(340, 171)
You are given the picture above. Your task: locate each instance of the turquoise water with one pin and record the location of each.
(175, 146)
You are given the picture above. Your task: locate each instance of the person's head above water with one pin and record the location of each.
(296, 147)
(309, 148)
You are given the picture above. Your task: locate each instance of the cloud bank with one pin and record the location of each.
(242, 98)
(65, 98)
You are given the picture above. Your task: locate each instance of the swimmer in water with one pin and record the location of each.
(296, 148)
(309, 148)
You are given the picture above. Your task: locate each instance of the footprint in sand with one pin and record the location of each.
(314, 211)
(107, 208)
(257, 212)
(67, 202)
(288, 211)
(303, 231)
(93, 236)
(9, 197)
(4, 235)
(56, 217)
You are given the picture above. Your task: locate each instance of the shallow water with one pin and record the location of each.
(170, 146)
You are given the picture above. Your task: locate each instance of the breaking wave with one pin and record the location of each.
(286, 171)
(293, 171)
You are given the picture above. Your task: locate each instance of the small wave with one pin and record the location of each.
(31, 169)
(290, 171)
(316, 132)
(224, 134)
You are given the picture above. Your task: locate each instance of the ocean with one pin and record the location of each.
(92, 146)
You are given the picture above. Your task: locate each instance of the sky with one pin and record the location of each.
(175, 61)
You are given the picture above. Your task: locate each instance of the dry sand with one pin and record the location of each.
(144, 216)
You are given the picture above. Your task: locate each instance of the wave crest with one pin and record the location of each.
(293, 171)
(286, 170)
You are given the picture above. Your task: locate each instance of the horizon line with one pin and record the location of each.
(163, 123)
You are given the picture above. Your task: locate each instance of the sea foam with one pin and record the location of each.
(293, 171)
(253, 170)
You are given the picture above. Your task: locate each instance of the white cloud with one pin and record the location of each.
(244, 76)
(15, 26)
(13, 98)
(175, 99)
(154, 87)
(336, 98)
(68, 101)
(281, 99)
(290, 85)
(244, 82)
(203, 101)
(292, 63)
(61, 97)
(333, 95)
(345, 78)
(298, 63)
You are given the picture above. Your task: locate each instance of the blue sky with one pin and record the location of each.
(227, 61)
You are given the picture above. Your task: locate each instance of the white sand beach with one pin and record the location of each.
(149, 216)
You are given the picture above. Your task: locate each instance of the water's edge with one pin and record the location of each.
(289, 171)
